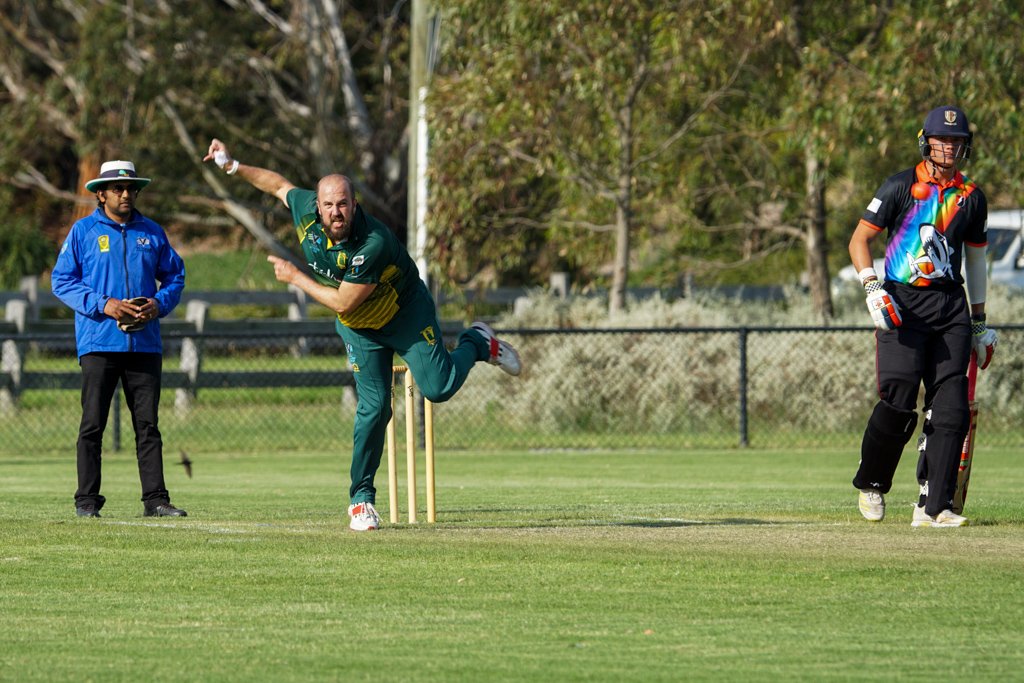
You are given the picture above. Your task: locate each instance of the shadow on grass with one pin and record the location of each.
(735, 521)
(460, 518)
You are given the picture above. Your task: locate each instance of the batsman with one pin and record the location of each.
(934, 219)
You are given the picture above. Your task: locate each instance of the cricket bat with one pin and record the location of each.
(963, 475)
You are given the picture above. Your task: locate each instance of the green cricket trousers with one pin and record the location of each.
(415, 335)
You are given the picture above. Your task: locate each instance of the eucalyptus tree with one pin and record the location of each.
(307, 87)
(828, 49)
(969, 55)
(864, 79)
(558, 123)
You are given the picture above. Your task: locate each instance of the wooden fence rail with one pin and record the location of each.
(191, 339)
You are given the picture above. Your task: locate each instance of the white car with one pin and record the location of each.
(1005, 257)
(1005, 248)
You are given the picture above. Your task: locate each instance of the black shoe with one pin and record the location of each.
(164, 510)
(87, 510)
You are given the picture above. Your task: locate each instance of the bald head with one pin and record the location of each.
(336, 181)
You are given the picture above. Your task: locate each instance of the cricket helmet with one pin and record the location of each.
(946, 121)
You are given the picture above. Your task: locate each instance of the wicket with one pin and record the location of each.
(410, 452)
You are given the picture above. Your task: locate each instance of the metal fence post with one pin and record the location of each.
(744, 436)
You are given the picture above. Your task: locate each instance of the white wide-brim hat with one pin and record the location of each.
(112, 171)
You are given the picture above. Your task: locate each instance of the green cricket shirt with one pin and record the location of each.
(370, 255)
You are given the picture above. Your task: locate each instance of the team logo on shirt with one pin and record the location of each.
(142, 243)
(428, 334)
(934, 263)
(311, 239)
(104, 242)
(352, 357)
(341, 260)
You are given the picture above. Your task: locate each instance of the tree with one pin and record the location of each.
(582, 102)
(825, 46)
(962, 56)
(95, 80)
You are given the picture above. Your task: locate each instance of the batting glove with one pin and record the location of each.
(984, 341)
(884, 311)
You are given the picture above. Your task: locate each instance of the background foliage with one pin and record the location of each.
(626, 142)
(814, 106)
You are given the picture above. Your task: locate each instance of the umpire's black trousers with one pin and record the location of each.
(139, 374)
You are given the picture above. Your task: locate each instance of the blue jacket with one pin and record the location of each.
(102, 258)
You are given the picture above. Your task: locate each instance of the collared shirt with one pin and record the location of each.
(928, 225)
(371, 254)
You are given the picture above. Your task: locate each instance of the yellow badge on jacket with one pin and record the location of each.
(104, 241)
(428, 334)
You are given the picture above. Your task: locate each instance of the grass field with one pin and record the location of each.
(544, 566)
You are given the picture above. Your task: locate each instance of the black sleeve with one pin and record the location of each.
(890, 200)
(979, 217)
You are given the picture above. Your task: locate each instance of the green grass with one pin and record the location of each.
(228, 270)
(560, 566)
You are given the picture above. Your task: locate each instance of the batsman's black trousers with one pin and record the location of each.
(931, 346)
(139, 374)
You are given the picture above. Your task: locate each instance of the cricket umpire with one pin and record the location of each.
(119, 273)
(934, 220)
(363, 273)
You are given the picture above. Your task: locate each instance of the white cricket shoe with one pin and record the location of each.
(364, 517)
(946, 518)
(502, 353)
(872, 505)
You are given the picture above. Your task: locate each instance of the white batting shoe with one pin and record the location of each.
(502, 353)
(364, 517)
(946, 518)
(872, 504)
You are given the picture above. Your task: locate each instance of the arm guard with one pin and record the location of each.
(976, 274)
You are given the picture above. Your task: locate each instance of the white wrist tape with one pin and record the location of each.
(234, 167)
(867, 274)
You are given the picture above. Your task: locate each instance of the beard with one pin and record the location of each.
(337, 230)
(119, 209)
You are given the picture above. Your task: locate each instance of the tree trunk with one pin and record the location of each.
(816, 243)
(88, 168)
(620, 267)
(623, 212)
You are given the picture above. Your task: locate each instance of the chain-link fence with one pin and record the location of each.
(613, 388)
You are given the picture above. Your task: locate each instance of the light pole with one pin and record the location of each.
(425, 25)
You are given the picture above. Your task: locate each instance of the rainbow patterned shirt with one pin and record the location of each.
(928, 225)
